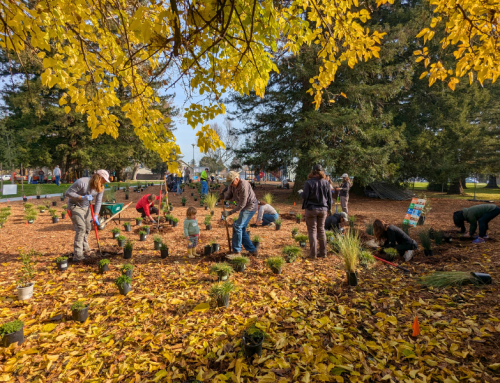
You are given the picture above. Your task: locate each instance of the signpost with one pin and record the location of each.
(414, 212)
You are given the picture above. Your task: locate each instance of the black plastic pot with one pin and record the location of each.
(174, 224)
(421, 220)
(482, 277)
(192, 194)
(164, 253)
(63, 215)
(128, 273)
(31, 221)
(278, 227)
(223, 301)
(115, 235)
(428, 253)
(302, 244)
(276, 270)
(256, 244)
(127, 253)
(143, 237)
(239, 268)
(54, 203)
(138, 222)
(121, 243)
(252, 349)
(25, 199)
(148, 230)
(157, 245)
(206, 207)
(14, 337)
(447, 239)
(196, 199)
(37, 197)
(62, 198)
(124, 288)
(207, 250)
(126, 196)
(171, 221)
(352, 278)
(62, 265)
(104, 268)
(80, 315)
(171, 208)
(184, 204)
(298, 220)
(215, 247)
(55, 219)
(209, 227)
(127, 227)
(212, 212)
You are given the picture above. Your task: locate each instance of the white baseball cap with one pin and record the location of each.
(345, 175)
(104, 174)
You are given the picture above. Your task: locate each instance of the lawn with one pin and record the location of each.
(481, 192)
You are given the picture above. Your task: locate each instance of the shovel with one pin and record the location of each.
(95, 228)
(392, 264)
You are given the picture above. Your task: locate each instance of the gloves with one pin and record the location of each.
(96, 219)
(88, 197)
(300, 191)
(152, 220)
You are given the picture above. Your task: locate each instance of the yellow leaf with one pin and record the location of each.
(392, 320)
(202, 307)
(494, 366)
(343, 94)
(49, 327)
(160, 374)
(423, 75)
(67, 109)
(176, 301)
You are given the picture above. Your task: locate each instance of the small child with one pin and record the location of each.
(191, 231)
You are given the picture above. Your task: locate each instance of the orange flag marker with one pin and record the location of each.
(415, 327)
(293, 203)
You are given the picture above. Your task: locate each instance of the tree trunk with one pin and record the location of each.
(492, 182)
(301, 173)
(464, 184)
(134, 172)
(357, 188)
(456, 187)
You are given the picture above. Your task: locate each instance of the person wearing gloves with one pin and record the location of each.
(204, 183)
(395, 238)
(317, 203)
(344, 192)
(246, 204)
(80, 195)
(146, 206)
(333, 222)
(479, 214)
(266, 215)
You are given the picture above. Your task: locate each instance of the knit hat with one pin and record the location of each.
(231, 176)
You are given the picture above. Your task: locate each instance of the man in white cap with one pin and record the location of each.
(333, 222)
(344, 192)
(246, 204)
(80, 194)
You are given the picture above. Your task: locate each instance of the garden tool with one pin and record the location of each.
(159, 212)
(227, 228)
(95, 228)
(392, 264)
(103, 224)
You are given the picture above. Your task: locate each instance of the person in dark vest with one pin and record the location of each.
(333, 222)
(476, 215)
(344, 192)
(394, 237)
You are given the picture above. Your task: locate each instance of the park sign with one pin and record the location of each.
(414, 212)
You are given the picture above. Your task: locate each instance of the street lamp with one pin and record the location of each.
(193, 159)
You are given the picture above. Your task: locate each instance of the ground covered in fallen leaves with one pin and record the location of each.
(320, 330)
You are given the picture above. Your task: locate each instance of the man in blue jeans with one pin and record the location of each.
(204, 183)
(246, 204)
(57, 174)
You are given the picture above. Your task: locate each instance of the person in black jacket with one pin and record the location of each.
(333, 222)
(394, 237)
(344, 192)
(317, 203)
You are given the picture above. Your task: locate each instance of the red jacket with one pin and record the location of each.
(145, 204)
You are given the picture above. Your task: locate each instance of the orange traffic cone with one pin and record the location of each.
(415, 327)
(293, 203)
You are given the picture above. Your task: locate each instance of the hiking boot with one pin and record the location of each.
(255, 253)
(322, 256)
(272, 224)
(408, 255)
(486, 237)
(478, 240)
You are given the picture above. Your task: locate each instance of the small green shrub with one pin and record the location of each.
(124, 278)
(103, 262)
(78, 305)
(129, 245)
(240, 261)
(115, 230)
(369, 228)
(425, 239)
(438, 237)
(275, 263)
(295, 230)
(221, 289)
(366, 259)
(127, 267)
(298, 216)
(145, 227)
(301, 238)
(143, 232)
(11, 327)
(221, 269)
(121, 238)
(157, 239)
(164, 246)
(175, 220)
(61, 259)
(277, 222)
(256, 238)
(254, 335)
(208, 219)
(126, 224)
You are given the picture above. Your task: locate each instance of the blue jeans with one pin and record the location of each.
(178, 186)
(485, 219)
(240, 235)
(58, 180)
(268, 218)
(204, 187)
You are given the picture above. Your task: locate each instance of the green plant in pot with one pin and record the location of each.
(301, 239)
(127, 226)
(208, 222)
(30, 217)
(55, 218)
(277, 224)
(127, 269)
(349, 249)
(62, 263)
(366, 259)
(239, 263)
(120, 239)
(425, 240)
(215, 246)
(52, 211)
(163, 250)
(103, 265)
(123, 282)
(256, 241)
(80, 311)
(275, 264)
(175, 222)
(295, 231)
(63, 214)
(390, 253)
(210, 201)
(147, 229)
(157, 242)
(12, 332)
(222, 270)
(138, 221)
(291, 253)
(116, 232)
(298, 217)
(26, 275)
(127, 250)
(220, 292)
(143, 235)
(253, 337)
(184, 200)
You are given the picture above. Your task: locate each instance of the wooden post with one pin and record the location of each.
(22, 178)
(1, 178)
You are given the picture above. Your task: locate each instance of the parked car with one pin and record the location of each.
(471, 180)
(5, 177)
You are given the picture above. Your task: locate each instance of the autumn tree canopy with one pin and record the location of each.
(90, 48)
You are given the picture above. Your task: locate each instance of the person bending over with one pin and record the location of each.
(333, 222)
(266, 215)
(146, 206)
(394, 237)
(479, 214)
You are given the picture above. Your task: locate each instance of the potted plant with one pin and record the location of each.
(170, 206)
(127, 226)
(116, 232)
(196, 198)
(52, 211)
(252, 340)
(55, 218)
(38, 190)
(222, 270)
(164, 250)
(291, 253)
(350, 248)
(127, 250)
(239, 263)
(123, 283)
(41, 208)
(208, 222)
(12, 332)
(138, 221)
(80, 311)
(62, 197)
(26, 274)
(157, 242)
(175, 221)
(256, 241)
(63, 214)
(184, 200)
(220, 291)
(295, 231)
(54, 203)
(207, 250)
(352, 222)
(275, 264)
(390, 254)
(210, 201)
(301, 239)
(28, 206)
(143, 235)
(215, 246)
(438, 237)
(30, 217)
(298, 217)
(447, 238)
(62, 263)
(277, 224)
(425, 240)
(103, 265)
(147, 229)
(127, 270)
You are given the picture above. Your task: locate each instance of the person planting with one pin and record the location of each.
(344, 192)
(146, 206)
(246, 204)
(333, 222)
(204, 183)
(479, 214)
(266, 215)
(317, 203)
(395, 238)
(191, 231)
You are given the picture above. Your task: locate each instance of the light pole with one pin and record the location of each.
(193, 159)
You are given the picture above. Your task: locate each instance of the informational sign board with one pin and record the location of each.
(414, 212)
(9, 189)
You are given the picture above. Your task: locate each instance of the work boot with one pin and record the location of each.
(255, 253)
(408, 255)
(478, 240)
